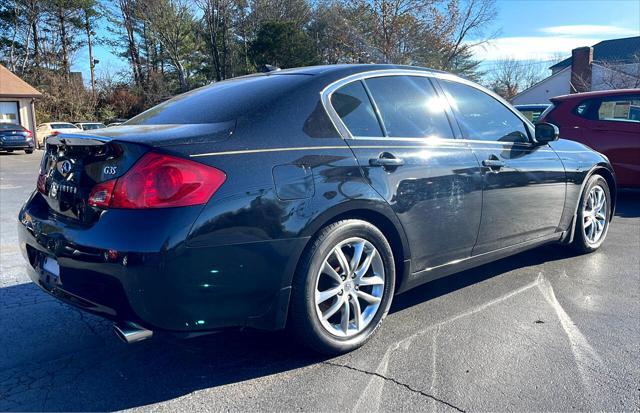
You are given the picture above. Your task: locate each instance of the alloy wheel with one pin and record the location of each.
(349, 287)
(594, 214)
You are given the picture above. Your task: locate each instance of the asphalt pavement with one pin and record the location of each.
(545, 330)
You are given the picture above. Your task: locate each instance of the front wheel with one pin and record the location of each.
(344, 287)
(594, 214)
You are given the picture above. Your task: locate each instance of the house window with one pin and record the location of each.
(9, 112)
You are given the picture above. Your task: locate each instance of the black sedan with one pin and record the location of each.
(304, 198)
(15, 137)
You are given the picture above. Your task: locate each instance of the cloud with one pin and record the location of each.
(556, 41)
(589, 30)
(530, 47)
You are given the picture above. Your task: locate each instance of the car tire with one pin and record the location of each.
(367, 291)
(28, 151)
(593, 216)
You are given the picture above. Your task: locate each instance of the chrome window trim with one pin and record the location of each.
(327, 92)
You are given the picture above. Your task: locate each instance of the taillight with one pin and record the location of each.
(159, 181)
(101, 194)
(41, 181)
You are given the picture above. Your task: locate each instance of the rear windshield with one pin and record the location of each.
(220, 102)
(10, 126)
(90, 126)
(62, 126)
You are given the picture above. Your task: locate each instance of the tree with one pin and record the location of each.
(219, 18)
(621, 74)
(172, 23)
(510, 76)
(283, 45)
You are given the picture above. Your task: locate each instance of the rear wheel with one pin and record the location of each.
(344, 287)
(594, 214)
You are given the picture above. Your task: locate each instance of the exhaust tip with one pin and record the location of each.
(130, 332)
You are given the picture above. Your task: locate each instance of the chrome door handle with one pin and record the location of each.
(386, 159)
(493, 164)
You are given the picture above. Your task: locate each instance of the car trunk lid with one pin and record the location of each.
(73, 164)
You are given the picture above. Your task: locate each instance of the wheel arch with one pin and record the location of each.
(608, 176)
(378, 215)
(606, 172)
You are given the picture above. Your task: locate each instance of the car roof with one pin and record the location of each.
(598, 93)
(326, 74)
(351, 68)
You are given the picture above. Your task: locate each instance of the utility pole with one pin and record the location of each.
(92, 62)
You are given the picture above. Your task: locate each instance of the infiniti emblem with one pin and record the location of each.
(66, 167)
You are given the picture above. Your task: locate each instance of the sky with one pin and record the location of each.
(527, 30)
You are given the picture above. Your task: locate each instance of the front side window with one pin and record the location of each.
(63, 126)
(410, 107)
(482, 117)
(620, 108)
(354, 107)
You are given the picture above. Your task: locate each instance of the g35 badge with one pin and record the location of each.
(110, 170)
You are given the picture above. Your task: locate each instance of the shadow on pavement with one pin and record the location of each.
(96, 372)
(628, 204)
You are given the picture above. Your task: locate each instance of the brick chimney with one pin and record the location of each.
(581, 59)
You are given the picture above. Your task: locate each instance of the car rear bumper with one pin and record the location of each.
(8, 145)
(161, 284)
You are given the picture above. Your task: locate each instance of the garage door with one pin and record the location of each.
(9, 112)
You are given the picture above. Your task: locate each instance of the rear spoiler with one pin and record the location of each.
(71, 139)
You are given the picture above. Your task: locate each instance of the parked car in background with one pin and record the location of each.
(90, 125)
(53, 128)
(607, 121)
(305, 197)
(14, 137)
(114, 124)
(533, 112)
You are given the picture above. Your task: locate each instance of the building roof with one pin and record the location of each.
(618, 50)
(11, 86)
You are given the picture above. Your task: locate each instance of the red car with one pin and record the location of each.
(607, 121)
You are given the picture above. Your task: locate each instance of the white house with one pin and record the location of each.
(610, 64)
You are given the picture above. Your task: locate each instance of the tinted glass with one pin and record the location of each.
(222, 101)
(352, 104)
(63, 126)
(10, 126)
(482, 117)
(90, 126)
(621, 108)
(583, 109)
(410, 107)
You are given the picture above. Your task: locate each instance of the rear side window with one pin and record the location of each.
(410, 107)
(482, 117)
(352, 104)
(620, 108)
(10, 126)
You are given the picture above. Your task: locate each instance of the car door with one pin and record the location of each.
(400, 133)
(524, 183)
(614, 130)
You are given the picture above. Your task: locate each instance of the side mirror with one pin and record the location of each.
(546, 132)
